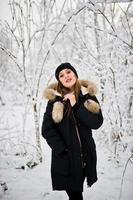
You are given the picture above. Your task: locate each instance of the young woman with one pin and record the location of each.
(67, 127)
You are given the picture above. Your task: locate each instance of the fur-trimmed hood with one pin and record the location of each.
(87, 87)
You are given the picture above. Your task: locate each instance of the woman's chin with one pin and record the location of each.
(69, 85)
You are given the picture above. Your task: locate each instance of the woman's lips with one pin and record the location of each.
(68, 80)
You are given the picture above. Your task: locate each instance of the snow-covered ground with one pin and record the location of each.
(35, 184)
(100, 44)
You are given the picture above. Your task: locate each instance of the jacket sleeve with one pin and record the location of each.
(50, 133)
(88, 118)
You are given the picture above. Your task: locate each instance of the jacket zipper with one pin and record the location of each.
(80, 144)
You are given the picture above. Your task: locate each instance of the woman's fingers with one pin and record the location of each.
(71, 97)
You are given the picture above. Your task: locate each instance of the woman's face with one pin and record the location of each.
(67, 77)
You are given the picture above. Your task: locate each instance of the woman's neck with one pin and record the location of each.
(69, 90)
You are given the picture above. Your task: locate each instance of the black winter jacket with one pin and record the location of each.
(70, 138)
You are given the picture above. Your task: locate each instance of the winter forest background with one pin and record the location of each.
(96, 37)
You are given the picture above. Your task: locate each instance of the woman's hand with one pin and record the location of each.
(71, 98)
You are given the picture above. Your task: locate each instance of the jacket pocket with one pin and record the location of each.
(60, 164)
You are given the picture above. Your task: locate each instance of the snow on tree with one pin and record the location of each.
(96, 37)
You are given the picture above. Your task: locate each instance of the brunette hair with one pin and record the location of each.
(63, 90)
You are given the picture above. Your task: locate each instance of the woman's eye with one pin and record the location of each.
(61, 76)
(69, 71)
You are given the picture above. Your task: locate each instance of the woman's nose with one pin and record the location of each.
(66, 76)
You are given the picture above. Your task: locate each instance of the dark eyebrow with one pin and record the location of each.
(68, 70)
(62, 72)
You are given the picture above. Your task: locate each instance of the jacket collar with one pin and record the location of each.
(87, 87)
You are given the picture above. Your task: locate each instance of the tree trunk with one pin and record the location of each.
(38, 143)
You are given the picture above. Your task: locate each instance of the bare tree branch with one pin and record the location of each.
(11, 56)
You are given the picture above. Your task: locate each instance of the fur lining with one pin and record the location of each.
(92, 106)
(90, 87)
(51, 92)
(57, 113)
